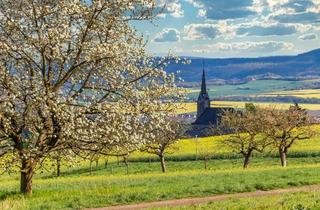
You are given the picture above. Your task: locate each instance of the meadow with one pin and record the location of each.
(77, 188)
(289, 201)
(307, 93)
(250, 88)
(192, 107)
(112, 186)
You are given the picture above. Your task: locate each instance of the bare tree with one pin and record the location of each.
(69, 67)
(162, 139)
(205, 153)
(246, 128)
(286, 127)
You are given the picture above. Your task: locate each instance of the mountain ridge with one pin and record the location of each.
(241, 70)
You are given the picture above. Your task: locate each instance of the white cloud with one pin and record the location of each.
(309, 37)
(266, 46)
(271, 29)
(175, 9)
(296, 11)
(171, 7)
(201, 31)
(254, 18)
(206, 31)
(168, 35)
(225, 9)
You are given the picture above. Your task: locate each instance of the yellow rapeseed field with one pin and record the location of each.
(192, 107)
(309, 93)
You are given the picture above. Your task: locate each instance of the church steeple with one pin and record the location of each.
(203, 84)
(203, 100)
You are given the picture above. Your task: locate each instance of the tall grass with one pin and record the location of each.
(145, 182)
(78, 188)
(289, 201)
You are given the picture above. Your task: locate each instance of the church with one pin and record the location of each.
(207, 116)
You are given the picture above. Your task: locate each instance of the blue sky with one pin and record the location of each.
(234, 28)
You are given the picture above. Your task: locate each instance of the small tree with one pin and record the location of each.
(123, 153)
(285, 127)
(162, 139)
(246, 130)
(205, 153)
(61, 157)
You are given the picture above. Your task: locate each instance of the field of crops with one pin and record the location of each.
(192, 107)
(250, 88)
(186, 177)
(308, 93)
(190, 149)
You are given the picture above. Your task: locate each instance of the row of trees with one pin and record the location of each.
(257, 129)
(161, 143)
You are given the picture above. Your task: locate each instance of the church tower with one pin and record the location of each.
(203, 100)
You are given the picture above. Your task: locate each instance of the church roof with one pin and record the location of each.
(211, 116)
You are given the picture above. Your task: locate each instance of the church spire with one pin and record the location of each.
(203, 84)
(203, 102)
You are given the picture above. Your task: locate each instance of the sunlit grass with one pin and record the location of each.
(290, 201)
(192, 107)
(191, 148)
(77, 188)
(145, 183)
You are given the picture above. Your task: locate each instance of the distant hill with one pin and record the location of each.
(241, 70)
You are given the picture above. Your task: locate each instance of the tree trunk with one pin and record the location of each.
(163, 164)
(58, 167)
(26, 177)
(246, 160)
(125, 160)
(106, 162)
(205, 163)
(283, 157)
(90, 167)
(97, 163)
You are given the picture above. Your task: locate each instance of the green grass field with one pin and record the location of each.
(250, 88)
(77, 188)
(144, 183)
(289, 201)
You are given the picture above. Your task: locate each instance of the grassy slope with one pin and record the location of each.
(290, 201)
(78, 189)
(145, 183)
